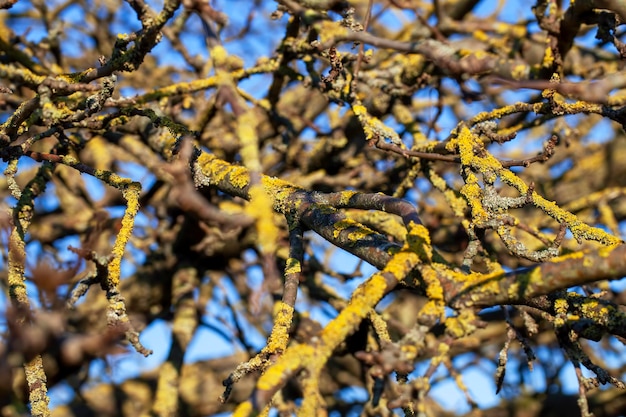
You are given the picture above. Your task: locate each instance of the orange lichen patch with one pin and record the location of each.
(590, 308)
(493, 115)
(588, 262)
(534, 277)
(312, 401)
(402, 114)
(581, 107)
(488, 283)
(456, 203)
(459, 382)
(347, 83)
(263, 66)
(607, 216)
(219, 55)
(465, 143)
(111, 178)
(166, 396)
(36, 379)
(55, 111)
(442, 351)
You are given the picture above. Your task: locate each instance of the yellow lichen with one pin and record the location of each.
(230, 207)
(261, 209)
(239, 177)
(219, 55)
(362, 300)
(379, 325)
(434, 290)
(596, 311)
(548, 58)
(359, 110)
(465, 142)
(517, 31)
(283, 316)
(443, 349)
(345, 197)
(402, 114)
(389, 224)
(373, 127)
(410, 351)
(461, 325)
(291, 360)
(432, 308)
(561, 306)
(481, 36)
(400, 262)
(329, 29)
(606, 251)
(214, 169)
(131, 194)
(246, 132)
(17, 254)
(519, 72)
(244, 409)
(97, 147)
(347, 83)
(358, 231)
(293, 266)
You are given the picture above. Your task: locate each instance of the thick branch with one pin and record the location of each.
(557, 274)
